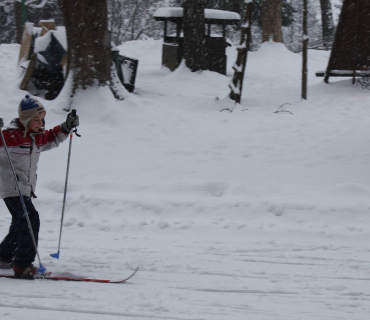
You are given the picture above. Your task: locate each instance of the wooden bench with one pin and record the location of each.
(344, 73)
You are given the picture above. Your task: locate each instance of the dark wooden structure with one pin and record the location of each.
(45, 72)
(126, 70)
(173, 45)
(350, 56)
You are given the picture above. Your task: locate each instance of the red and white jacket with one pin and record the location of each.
(24, 152)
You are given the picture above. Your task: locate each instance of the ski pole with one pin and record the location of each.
(41, 269)
(56, 255)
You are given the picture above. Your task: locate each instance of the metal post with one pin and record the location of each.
(24, 12)
(56, 255)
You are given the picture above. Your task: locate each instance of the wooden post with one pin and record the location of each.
(236, 84)
(304, 51)
(355, 49)
(24, 52)
(178, 31)
(165, 30)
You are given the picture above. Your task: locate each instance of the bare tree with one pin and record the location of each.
(116, 12)
(327, 24)
(131, 19)
(272, 20)
(20, 12)
(152, 5)
(18, 20)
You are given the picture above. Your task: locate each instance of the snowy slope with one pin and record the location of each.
(244, 215)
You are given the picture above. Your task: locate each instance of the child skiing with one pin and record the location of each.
(25, 138)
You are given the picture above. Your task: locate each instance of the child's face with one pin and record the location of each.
(36, 122)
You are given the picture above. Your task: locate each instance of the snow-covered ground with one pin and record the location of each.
(236, 215)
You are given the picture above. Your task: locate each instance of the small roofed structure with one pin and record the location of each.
(350, 56)
(173, 45)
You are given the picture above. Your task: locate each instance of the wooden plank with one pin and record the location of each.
(28, 74)
(44, 31)
(48, 24)
(26, 42)
(343, 73)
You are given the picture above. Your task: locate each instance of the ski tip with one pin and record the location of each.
(42, 269)
(55, 255)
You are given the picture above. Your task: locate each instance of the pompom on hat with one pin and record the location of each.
(27, 109)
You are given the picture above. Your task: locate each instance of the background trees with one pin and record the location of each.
(35, 10)
(327, 23)
(132, 19)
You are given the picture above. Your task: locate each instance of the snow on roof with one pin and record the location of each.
(221, 14)
(169, 12)
(173, 12)
(49, 20)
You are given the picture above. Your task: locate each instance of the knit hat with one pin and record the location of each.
(28, 108)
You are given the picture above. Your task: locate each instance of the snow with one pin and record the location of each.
(38, 6)
(221, 14)
(46, 21)
(169, 12)
(60, 35)
(42, 43)
(236, 215)
(28, 28)
(208, 13)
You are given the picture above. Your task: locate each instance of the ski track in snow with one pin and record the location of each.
(242, 215)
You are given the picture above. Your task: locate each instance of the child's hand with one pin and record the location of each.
(72, 121)
(1, 123)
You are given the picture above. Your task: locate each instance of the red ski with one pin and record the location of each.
(57, 278)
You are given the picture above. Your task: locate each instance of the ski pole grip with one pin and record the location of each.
(73, 113)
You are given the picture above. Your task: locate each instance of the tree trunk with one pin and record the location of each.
(18, 20)
(327, 24)
(89, 49)
(271, 20)
(194, 34)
